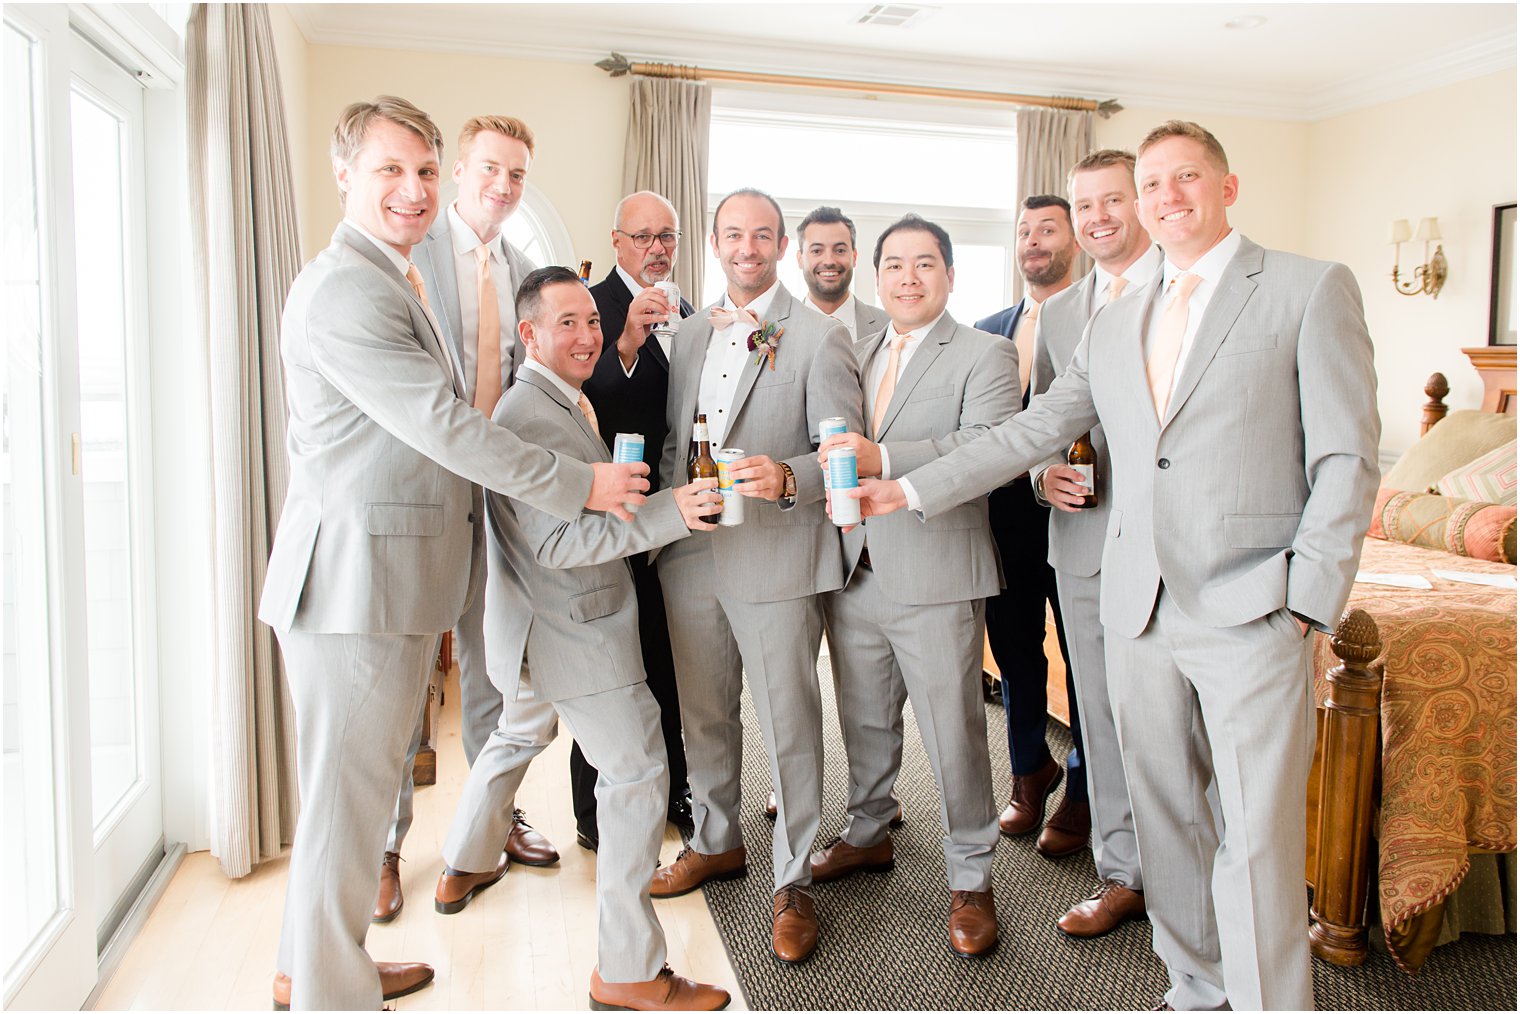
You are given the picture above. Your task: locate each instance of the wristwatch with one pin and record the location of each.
(788, 482)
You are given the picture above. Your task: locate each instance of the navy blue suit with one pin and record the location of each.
(1016, 615)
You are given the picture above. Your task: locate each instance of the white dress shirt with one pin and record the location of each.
(727, 352)
(635, 287)
(391, 253)
(878, 370)
(466, 269)
(845, 313)
(1136, 275)
(572, 393)
(1210, 269)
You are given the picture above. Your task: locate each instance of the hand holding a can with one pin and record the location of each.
(877, 497)
(648, 309)
(867, 454)
(762, 477)
(696, 501)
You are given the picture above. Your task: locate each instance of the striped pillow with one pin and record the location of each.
(1489, 477)
(1483, 531)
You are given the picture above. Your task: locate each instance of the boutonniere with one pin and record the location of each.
(764, 341)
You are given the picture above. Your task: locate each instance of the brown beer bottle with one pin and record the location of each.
(586, 273)
(699, 461)
(1084, 459)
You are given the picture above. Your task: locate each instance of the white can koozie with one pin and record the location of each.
(843, 477)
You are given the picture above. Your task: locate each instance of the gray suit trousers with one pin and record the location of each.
(718, 641)
(1235, 705)
(1115, 853)
(356, 698)
(619, 732)
(881, 649)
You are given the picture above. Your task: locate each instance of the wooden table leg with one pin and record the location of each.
(425, 770)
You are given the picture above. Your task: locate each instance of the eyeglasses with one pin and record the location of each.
(642, 240)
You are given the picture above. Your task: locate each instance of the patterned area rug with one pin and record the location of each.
(883, 943)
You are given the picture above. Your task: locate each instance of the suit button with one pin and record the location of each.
(1164, 463)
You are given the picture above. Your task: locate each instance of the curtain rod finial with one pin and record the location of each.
(617, 65)
(1109, 107)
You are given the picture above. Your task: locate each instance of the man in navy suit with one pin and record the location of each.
(628, 389)
(1046, 249)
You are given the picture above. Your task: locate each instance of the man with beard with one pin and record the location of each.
(1020, 527)
(826, 254)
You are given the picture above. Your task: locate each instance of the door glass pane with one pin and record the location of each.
(30, 877)
(100, 187)
(981, 278)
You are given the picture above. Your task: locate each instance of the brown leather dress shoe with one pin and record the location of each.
(895, 823)
(1068, 830)
(388, 905)
(973, 923)
(455, 888)
(839, 858)
(1026, 799)
(794, 924)
(666, 991)
(692, 869)
(1111, 904)
(397, 978)
(528, 846)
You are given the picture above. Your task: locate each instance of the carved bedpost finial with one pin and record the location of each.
(617, 65)
(1434, 411)
(1356, 638)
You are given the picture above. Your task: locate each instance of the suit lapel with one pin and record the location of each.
(590, 437)
(686, 375)
(1235, 288)
(928, 351)
(778, 312)
(436, 262)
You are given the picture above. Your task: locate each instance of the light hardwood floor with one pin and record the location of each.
(527, 943)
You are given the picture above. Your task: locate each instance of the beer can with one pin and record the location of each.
(733, 503)
(832, 426)
(626, 449)
(842, 477)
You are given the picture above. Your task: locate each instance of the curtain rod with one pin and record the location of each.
(618, 65)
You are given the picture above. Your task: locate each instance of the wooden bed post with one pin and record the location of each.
(1436, 388)
(1338, 917)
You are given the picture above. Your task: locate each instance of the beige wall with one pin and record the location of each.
(291, 49)
(1449, 152)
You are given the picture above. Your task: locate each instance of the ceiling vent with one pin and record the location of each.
(891, 15)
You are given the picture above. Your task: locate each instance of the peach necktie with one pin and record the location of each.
(1116, 288)
(887, 386)
(1167, 343)
(415, 277)
(1023, 343)
(590, 413)
(487, 335)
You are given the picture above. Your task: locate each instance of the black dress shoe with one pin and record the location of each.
(589, 842)
(680, 815)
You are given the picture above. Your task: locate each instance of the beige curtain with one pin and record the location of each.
(1051, 141)
(666, 151)
(243, 223)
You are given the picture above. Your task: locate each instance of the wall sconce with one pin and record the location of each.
(1430, 276)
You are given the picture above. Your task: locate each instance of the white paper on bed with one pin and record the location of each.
(1393, 580)
(1492, 580)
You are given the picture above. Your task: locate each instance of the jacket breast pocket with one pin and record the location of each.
(932, 393)
(1261, 531)
(1240, 343)
(404, 518)
(596, 603)
(767, 379)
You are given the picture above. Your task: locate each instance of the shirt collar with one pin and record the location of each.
(845, 309)
(1138, 273)
(465, 240)
(1210, 267)
(572, 394)
(633, 283)
(914, 335)
(391, 253)
(760, 305)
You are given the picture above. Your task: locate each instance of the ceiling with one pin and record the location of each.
(1304, 61)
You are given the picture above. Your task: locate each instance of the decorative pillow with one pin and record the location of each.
(1450, 444)
(1484, 531)
(1489, 477)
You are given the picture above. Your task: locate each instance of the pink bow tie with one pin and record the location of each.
(722, 319)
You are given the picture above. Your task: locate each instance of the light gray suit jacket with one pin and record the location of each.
(560, 592)
(959, 384)
(434, 258)
(777, 553)
(869, 319)
(1253, 492)
(382, 525)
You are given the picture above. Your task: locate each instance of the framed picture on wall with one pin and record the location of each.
(1501, 318)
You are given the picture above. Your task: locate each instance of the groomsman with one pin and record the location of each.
(826, 254)
(765, 370)
(1102, 188)
(909, 619)
(629, 388)
(1245, 465)
(561, 615)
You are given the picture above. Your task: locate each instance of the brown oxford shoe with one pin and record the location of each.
(397, 978)
(1026, 799)
(666, 991)
(456, 888)
(388, 905)
(839, 858)
(973, 923)
(1068, 830)
(895, 823)
(692, 869)
(1111, 904)
(528, 846)
(794, 924)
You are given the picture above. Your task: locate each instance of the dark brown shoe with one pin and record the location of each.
(692, 869)
(895, 823)
(1111, 904)
(397, 979)
(973, 923)
(1026, 799)
(528, 846)
(666, 991)
(839, 858)
(388, 905)
(794, 924)
(1068, 830)
(456, 888)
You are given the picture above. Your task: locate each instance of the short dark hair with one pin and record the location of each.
(825, 216)
(916, 223)
(1034, 202)
(751, 192)
(530, 292)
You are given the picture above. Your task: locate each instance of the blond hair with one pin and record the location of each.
(1101, 159)
(353, 125)
(511, 126)
(1192, 131)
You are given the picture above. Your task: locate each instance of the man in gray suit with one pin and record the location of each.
(1102, 188)
(765, 370)
(562, 620)
(1239, 401)
(376, 550)
(909, 618)
(826, 254)
(464, 257)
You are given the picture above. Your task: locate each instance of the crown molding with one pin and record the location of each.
(1487, 55)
